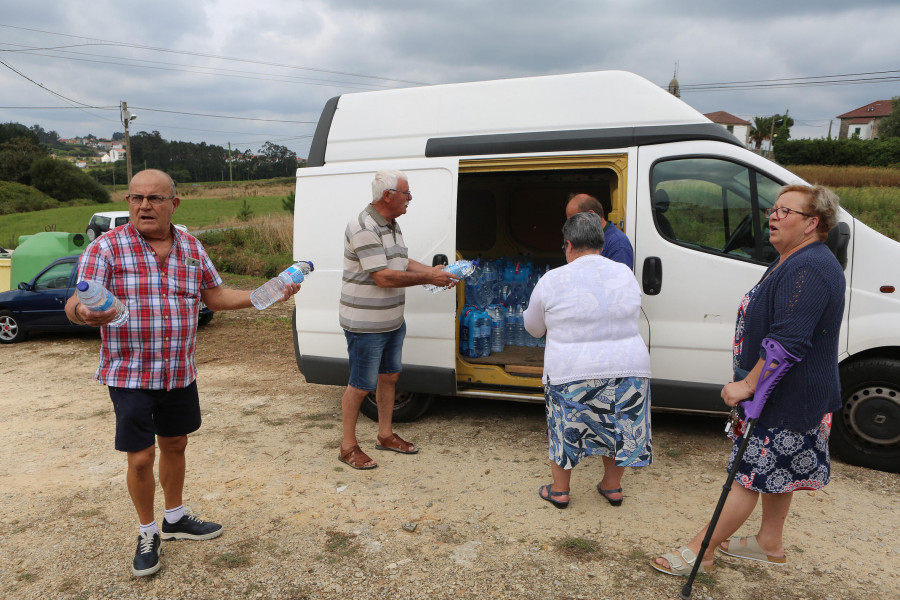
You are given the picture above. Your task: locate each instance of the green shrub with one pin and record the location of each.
(852, 152)
(64, 181)
(18, 198)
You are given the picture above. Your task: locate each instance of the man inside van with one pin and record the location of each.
(377, 268)
(616, 246)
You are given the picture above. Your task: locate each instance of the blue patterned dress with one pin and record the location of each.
(779, 460)
(606, 417)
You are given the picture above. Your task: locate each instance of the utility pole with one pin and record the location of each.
(127, 117)
(230, 180)
(830, 123)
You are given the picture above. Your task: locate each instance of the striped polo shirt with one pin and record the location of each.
(372, 244)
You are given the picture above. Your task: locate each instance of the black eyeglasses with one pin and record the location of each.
(153, 199)
(781, 212)
(565, 245)
(407, 193)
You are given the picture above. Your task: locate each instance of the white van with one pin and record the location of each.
(491, 165)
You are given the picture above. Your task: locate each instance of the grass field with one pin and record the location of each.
(193, 212)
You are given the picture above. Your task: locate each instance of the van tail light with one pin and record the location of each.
(887, 289)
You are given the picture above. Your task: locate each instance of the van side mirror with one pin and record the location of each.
(24, 286)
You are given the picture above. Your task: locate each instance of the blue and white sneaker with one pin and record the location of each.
(189, 527)
(146, 558)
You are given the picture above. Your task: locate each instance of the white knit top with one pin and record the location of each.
(589, 310)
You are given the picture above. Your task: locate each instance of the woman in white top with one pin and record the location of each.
(596, 366)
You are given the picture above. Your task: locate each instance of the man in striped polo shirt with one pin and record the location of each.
(377, 268)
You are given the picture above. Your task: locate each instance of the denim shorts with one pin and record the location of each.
(141, 415)
(373, 354)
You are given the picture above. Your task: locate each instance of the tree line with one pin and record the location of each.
(193, 162)
(25, 160)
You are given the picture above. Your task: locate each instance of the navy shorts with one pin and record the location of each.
(374, 354)
(141, 415)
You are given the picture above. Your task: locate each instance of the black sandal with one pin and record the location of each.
(551, 494)
(613, 501)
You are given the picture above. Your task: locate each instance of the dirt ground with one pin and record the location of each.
(459, 520)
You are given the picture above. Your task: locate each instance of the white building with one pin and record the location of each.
(735, 125)
(113, 155)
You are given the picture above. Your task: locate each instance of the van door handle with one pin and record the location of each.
(439, 259)
(652, 275)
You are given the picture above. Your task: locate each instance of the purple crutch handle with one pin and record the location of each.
(778, 362)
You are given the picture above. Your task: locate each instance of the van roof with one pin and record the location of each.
(408, 122)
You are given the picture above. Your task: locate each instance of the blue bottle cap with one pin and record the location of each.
(82, 286)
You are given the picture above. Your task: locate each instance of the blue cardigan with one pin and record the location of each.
(800, 304)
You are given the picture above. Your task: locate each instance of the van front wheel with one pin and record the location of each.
(866, 431)
(408, 406)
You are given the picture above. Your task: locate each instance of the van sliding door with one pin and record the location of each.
(327, 198)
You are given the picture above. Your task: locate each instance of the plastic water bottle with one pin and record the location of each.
(511, 326)
(271, 291)
(465, 331)
(520, 326)
(460, 268)
(498, 327)
(482, 333)
(98, 298)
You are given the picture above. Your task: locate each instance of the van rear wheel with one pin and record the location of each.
(866, 431)
(408, 406)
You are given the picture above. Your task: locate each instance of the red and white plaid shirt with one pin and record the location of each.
(154, 349)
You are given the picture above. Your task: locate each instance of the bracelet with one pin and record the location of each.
(75, 312)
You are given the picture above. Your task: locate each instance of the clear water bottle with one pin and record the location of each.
(511, 326)
(98, 298)
(460, 268)
(271, 291)
(520, 326)
(498, 327)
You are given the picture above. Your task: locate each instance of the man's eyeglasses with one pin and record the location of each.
(153, 199)
(407, 193)
(781, 212)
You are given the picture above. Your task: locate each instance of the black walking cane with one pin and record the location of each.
(778, 361)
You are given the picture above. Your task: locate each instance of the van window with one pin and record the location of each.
(714, 205)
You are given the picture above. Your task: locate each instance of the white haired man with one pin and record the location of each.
(377, 268)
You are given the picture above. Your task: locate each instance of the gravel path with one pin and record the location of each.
(459, 520)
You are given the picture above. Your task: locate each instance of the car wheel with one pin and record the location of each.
(408, 406)
(10, 330)
(866, 431)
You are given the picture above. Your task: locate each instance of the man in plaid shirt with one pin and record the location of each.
(161, 275)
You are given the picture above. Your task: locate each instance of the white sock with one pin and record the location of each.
(149, 528)
(173, 515)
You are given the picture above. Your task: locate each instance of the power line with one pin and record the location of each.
(791, 82)
(215, 56)
(236, 73)
(192, 114)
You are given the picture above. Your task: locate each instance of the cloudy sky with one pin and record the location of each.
(243, 72)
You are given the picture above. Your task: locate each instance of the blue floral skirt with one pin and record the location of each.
(606, 417)
(780, 460)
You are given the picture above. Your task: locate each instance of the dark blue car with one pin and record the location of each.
(39, 305)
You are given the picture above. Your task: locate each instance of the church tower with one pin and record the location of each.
(674, 89)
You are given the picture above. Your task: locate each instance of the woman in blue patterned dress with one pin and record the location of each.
(596, 366)
(799, 303)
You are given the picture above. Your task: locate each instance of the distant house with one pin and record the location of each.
(735, 125)
(113, 155)
(863, 122)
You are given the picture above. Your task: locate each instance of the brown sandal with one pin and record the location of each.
(355, 458)
(395, 443)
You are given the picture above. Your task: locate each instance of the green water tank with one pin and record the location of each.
(35, 252)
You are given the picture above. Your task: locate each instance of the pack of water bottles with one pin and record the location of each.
(496, 296)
